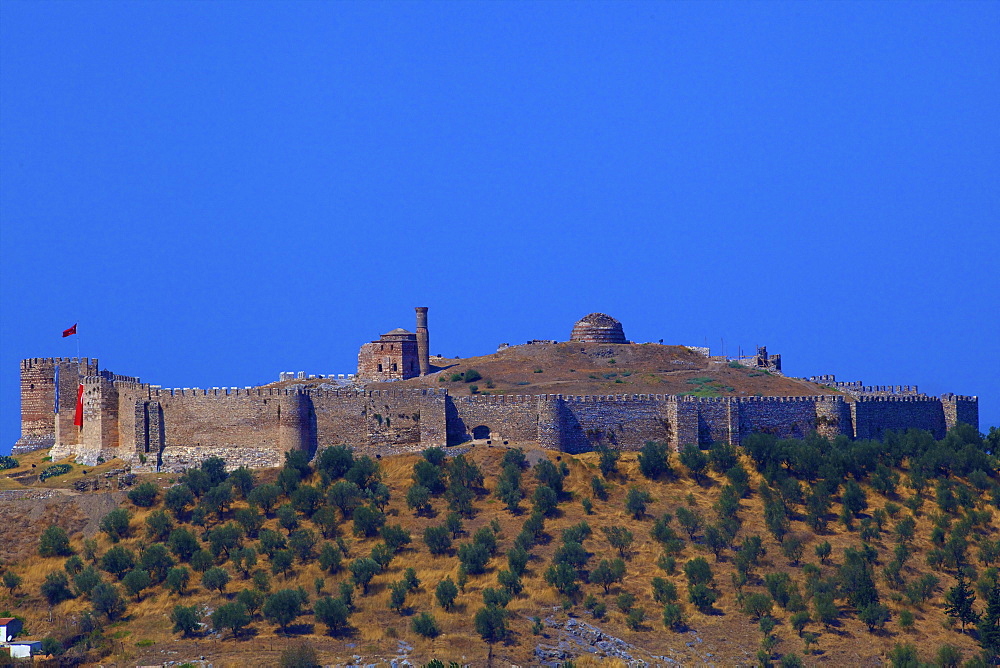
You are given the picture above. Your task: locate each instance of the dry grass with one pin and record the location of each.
(730, 637)
(587, 369)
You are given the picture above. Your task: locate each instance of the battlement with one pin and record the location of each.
(958, 397)
(896, 398)
(36, 362)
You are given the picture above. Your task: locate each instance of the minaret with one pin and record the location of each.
(423, 344)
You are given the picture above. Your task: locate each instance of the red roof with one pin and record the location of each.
(4, 621)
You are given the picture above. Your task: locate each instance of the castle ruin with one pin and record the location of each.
(170, 429)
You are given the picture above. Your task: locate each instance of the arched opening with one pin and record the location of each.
(480, 433)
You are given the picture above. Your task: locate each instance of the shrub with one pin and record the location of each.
(672, 617)
(118, 561)
(107, 601)
(54, 470)
(144, 495)
(636, 500)
(116, 524)
(7, 462)
(186, 619)
(56, 589)
(654, 460)
(54, 542)
(135, 581)
(302, 655)
(438, 539)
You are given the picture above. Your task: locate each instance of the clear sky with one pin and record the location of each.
(218, 192)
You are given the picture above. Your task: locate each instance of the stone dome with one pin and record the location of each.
(598, 328)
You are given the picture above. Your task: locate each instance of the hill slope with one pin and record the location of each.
(722, 634)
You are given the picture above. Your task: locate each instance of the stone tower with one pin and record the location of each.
(423, 342)
(598, 328)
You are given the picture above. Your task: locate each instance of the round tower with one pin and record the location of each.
(423, 341)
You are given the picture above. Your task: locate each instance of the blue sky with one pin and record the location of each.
(218, 192)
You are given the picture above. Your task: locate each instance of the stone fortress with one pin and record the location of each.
(154, 428)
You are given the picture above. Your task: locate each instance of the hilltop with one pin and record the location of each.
(926, 510)
(575, 368)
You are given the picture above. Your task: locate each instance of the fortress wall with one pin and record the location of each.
(714, 421)
(41, 426)
(433, 418)
(196, 417)
(99, 437)
(786, 417)
(513, 417)
(875, 415)
(833, 416)
(960, 409)
(392, 417)
(625, 422)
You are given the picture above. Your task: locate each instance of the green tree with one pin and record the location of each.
(244, 559)
(333, 613)
(118, 561)
(177, 579)
(281, 562)
(158, 526)
(330, 558)
(215, 578)
(619, 538)
(116, 524)
(265, 496)
(418, 499)
(85, 581)
(283, 607)
(186, 619)
(702, 597)
(252, 600)
(445, 592)
(607, 573)
(853, 498)
(695, 461)
(177, 499)
(636, 501)
(904, 656)
(233, 616)
(959, 600)
(545, 500)
(437, 539)
(698, 571)
(563, 577)
(690, 521)
(56, 589)
(425, 625)
(183, 543)
(874, 615)
(367, 521)
(54, 542)
(334, 462)
(144, 495)
(608, 461)
(362, 572)
(654, 460)
(303, 543)
(107, 601)
(156, 561)
(135, 581)
(491, 625)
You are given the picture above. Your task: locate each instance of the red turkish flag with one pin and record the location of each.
(69, 332)
(78, 418)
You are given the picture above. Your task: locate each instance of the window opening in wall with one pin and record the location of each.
(394, 366)
(380, 368)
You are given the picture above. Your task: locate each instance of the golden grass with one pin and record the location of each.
(730, 637)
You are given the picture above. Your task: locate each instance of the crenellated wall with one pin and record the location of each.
(172, 429)
(43, 424)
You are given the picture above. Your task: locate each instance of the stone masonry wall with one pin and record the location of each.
(617, 421)
(506, 417)
(873, 416)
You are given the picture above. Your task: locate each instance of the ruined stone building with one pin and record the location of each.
(169, 429)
